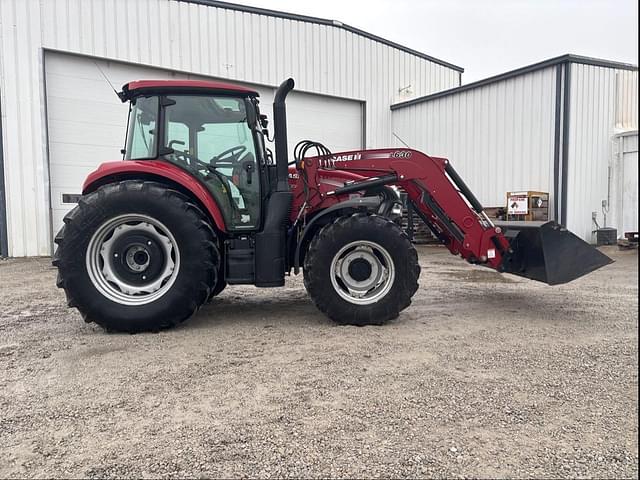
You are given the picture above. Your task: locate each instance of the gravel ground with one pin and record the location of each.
(483, 376)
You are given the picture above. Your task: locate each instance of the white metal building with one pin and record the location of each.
(60, 118)
(552, 126)
(567, 126)
(623, 211)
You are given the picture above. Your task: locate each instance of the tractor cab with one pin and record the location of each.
(209, 129)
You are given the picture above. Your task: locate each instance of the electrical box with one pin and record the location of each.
(528, 205)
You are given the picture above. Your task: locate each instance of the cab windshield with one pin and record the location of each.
(210, 137)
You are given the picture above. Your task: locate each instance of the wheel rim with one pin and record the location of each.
(132, 259)
(362, 272)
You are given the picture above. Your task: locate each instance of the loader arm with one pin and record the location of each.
(450, 210)
(547, 253)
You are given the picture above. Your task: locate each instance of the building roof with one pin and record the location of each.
(322, 21)
(568, 58)
(158, 86)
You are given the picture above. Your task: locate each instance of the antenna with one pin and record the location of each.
(402, 141)
(107, 80)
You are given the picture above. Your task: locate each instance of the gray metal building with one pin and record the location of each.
(562, 126)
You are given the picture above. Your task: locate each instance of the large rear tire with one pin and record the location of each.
(361, 270)
(136, 256)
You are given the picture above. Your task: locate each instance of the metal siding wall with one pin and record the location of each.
(624, 184)
(179, 36)
(629, 208)
(626, 99)
(499, 137)
(597, 105)
(26, 173)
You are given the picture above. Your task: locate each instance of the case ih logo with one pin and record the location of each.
(330, 162)
(346, 158)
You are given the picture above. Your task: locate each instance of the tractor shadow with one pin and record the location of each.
(258, 307)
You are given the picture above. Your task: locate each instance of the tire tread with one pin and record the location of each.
(95, 203)
(318, 257)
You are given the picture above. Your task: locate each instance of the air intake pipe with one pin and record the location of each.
(280, 127)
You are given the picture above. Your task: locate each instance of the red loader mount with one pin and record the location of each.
(200, 202)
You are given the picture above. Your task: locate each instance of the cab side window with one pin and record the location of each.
(141, 137)
(210, 136)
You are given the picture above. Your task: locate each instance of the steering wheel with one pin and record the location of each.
(233, 153)
(192, 162)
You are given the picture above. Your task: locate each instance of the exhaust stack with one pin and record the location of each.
(280, 129)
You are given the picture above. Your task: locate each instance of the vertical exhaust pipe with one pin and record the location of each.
(280, 129)
(271, 241)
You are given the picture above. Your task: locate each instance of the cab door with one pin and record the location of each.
(211, 137)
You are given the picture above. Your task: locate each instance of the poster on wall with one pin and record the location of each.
(517, 204)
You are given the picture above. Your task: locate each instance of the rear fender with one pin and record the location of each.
(157, 171)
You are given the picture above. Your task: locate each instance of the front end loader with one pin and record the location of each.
(200, 202)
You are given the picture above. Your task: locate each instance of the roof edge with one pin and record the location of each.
(567, 58)
(322, 21)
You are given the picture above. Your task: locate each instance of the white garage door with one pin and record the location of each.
(87, 122)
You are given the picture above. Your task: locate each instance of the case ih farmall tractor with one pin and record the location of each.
(200, 202)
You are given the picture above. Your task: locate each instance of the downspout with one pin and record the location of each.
(557, 144)
(614, 160)
(564, 178)
(4, 242)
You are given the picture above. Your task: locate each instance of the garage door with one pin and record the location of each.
(87, 122)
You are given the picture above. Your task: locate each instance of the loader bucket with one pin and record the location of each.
(548, 252)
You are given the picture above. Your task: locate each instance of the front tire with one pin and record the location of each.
(361, 270)
(136, 256)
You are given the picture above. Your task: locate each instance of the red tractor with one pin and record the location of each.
(200, 202)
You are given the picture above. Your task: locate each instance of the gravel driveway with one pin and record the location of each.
(484, 375)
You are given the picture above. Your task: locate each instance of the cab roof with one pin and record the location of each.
(150, 87)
